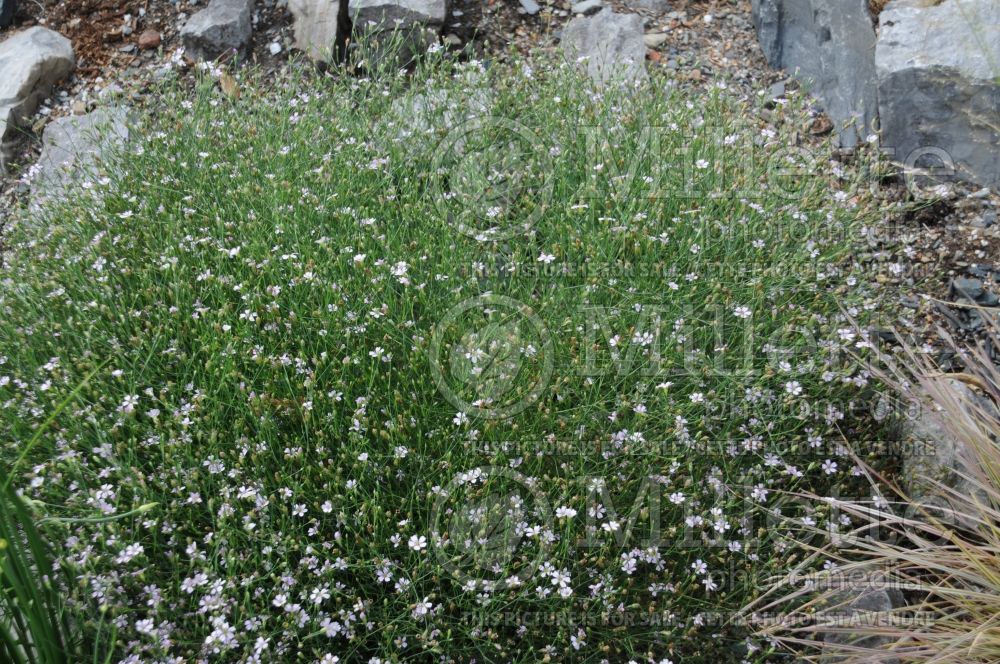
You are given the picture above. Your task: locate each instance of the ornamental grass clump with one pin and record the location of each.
(934, 547)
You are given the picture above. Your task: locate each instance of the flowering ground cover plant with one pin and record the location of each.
(467, 365)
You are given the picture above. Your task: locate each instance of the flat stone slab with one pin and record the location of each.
(72, 148)
(389, 14)
(609, 45)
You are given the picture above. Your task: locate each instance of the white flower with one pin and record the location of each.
(742, 312)
(128, 553)
(423, 608)
(417, 542)
(128, 404)
(565, 512)
(331, 628)
(319, 595)
(793, 387)
(545, 258)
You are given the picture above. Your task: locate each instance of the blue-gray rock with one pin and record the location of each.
(31, 62)
(609, 45)
(7, 9)
(939, 85)
(966, 287)
(830, 45)
(222, 27)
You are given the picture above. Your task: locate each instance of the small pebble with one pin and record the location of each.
(274, 48)
(654, 39)
(530, 7)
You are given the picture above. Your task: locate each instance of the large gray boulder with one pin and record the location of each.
(224, 26)
(319, 26)
(939, 85)
(31, 62)
(72, 150)
(609, 45)
(830, 45)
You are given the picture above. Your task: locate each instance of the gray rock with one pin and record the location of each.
(866, 601)
(830, 45)
(988, 219)
(223, 26)
(932, 451)
(388, 14)
(318, 26)
(398, 31)
(586, 7)
(530, 7)
(939, 85)
(72, 148)
(31, 62)
(421, 117)
(610, 45)
(659, 6)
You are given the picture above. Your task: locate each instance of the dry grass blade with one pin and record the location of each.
(940, 551)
